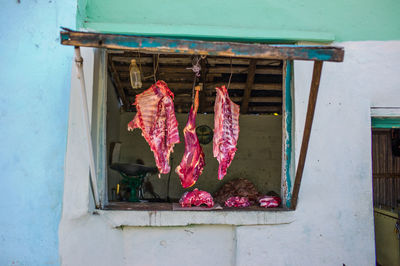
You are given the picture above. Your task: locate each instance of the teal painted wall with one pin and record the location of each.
(263, 20)
(34, 95)
(385, 122)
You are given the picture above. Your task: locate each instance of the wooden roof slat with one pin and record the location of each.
(211, 60)
(188, 98)
(120, 88)
(251, 73)
(176, 87)
(255, 109)
(214, 70)
(203, 80)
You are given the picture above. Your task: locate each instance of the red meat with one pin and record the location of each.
(237, 202)
(156, 118)
(196, 198)
(270, 201)
(226, 130)
(192, 162)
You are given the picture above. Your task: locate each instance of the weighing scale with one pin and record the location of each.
(133, 176)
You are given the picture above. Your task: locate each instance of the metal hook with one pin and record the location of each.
(196, 67)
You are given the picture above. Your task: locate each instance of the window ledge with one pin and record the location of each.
(184, 218)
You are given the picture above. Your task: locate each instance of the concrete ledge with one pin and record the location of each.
(184, 218)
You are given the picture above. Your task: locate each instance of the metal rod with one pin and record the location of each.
(312, 100)
(81, 77)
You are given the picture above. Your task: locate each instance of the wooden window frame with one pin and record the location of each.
(288, 53)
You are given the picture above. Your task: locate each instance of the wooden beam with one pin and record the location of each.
(312, 100)
(127, 59)
(120, 88)
(258, 87)
(187, 85)
(213, 70)
(187, 60)
(252, 109)
(263, 109)
(385, 175)
(169, 75)
(244, 70)
(156, 67)
(241, 61)
(210, 99)
(260, 99)
(249, 86)
(203, 79)
(182, 46)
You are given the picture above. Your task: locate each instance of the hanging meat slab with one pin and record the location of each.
(156, 118)
(196, 198)
(192, 162)
(226, 130)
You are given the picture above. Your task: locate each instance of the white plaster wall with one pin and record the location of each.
(333, 223)
(194, 245)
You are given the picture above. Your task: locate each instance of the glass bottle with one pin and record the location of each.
(134, 73)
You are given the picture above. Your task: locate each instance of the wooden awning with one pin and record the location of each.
(157, 45)
(232, 49)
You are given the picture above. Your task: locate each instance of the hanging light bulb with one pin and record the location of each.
(134, 73)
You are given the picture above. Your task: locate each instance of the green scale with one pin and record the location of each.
(133, 177)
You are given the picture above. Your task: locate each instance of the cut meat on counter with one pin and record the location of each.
(156, 118)
(226, 130)
(270, 201)
(192, 163)
(239, 202)
(237, 188)
(196, 198)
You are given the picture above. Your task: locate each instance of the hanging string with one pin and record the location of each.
(230, 77)
(155, 68)
(196, 68)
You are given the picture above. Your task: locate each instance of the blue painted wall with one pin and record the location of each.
(34, 95)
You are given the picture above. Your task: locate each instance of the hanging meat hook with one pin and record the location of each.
(196, 68)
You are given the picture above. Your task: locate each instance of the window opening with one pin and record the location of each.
(255, 85)
(223, 49)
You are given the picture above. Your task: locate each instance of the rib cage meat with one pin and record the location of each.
(156, 118)
(226, 130)
(193, 161)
